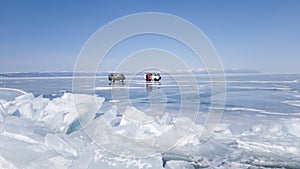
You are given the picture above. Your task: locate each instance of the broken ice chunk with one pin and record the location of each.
(6, 164)
(132, 115)
(52, 162)
(60, 145)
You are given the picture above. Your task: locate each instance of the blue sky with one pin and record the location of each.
(46, 35)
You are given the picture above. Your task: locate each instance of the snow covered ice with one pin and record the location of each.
(259, 129)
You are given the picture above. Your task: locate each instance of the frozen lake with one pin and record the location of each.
(260, 126)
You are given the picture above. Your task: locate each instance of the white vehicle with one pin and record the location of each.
(149, 76)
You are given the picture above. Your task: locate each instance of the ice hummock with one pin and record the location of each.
(34, 134)
(57, 114)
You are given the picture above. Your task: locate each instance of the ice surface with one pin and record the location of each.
(57, 114)
(6, 164)
(35, 137)
(110, 161)
(61, 144)
(39, 132)
(272, 144)
(178, 165)
(22, 141)
(293, 102)
(141, 125)
(259, 111)
(10, 93)
(292, 126)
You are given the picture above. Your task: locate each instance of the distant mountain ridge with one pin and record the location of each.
(70, 74)
(49, 74)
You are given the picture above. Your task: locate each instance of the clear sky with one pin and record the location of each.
(44, 35)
